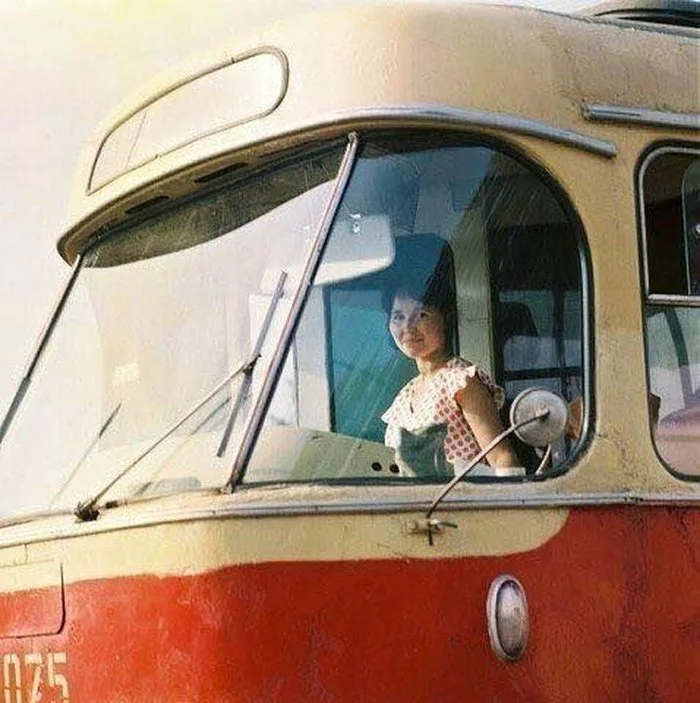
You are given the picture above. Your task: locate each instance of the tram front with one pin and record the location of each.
(225, 481)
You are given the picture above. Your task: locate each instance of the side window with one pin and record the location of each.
(472, 276)
(670, 201)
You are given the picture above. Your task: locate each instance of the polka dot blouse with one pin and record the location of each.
(438, 406)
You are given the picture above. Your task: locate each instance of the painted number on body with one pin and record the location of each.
(28, 678)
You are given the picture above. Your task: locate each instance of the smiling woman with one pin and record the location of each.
(418, 329)
(442, 418)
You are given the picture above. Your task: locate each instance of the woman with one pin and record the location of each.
(448, 413)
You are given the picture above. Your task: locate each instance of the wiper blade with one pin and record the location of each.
(248, 370)
(149, 484)
(98, 436)
(87, 510)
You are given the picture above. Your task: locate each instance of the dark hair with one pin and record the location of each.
(424, 270)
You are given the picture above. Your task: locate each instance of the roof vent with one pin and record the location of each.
(147, 205)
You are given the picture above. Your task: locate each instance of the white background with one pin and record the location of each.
(64, 66)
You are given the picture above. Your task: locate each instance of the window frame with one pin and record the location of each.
(647, 298)
(562, 197)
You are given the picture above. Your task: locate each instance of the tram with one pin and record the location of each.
(198, 502)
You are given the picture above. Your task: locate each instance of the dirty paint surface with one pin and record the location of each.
(614, 615)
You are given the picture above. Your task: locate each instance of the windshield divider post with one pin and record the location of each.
(313, 260)
(40, 347)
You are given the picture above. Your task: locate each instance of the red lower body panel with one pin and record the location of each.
(614, 601)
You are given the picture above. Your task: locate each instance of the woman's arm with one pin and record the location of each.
(479, 411)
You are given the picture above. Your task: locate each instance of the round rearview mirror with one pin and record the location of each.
(548, 428)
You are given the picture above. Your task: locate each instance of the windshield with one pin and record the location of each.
(143, 369)
(196, 348)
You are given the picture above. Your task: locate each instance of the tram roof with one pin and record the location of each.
(358, 64)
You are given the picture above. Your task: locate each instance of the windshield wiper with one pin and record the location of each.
(87, 511)
(149, 484)
(248, 370)
(29, 517)
(105, 426)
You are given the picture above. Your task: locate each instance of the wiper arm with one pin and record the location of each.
(87, 510)
(248, 370)
(105, 426)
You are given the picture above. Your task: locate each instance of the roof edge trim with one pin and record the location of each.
(640, 115)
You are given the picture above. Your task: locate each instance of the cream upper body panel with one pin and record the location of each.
(428, 57)
(420, 57)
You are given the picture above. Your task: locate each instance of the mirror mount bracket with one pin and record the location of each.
(538, 417)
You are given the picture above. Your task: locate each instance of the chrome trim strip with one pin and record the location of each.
(687, 301)
(43, 340)
(420, 115)
(443, 115)
(110, 521)
(640, 115)
(293, 508)
(313, 259)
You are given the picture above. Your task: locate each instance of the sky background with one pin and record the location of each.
(64, 66)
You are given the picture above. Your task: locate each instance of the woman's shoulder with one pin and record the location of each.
(455, 375)
(459, 363)
(459, 368)
(460, 371)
